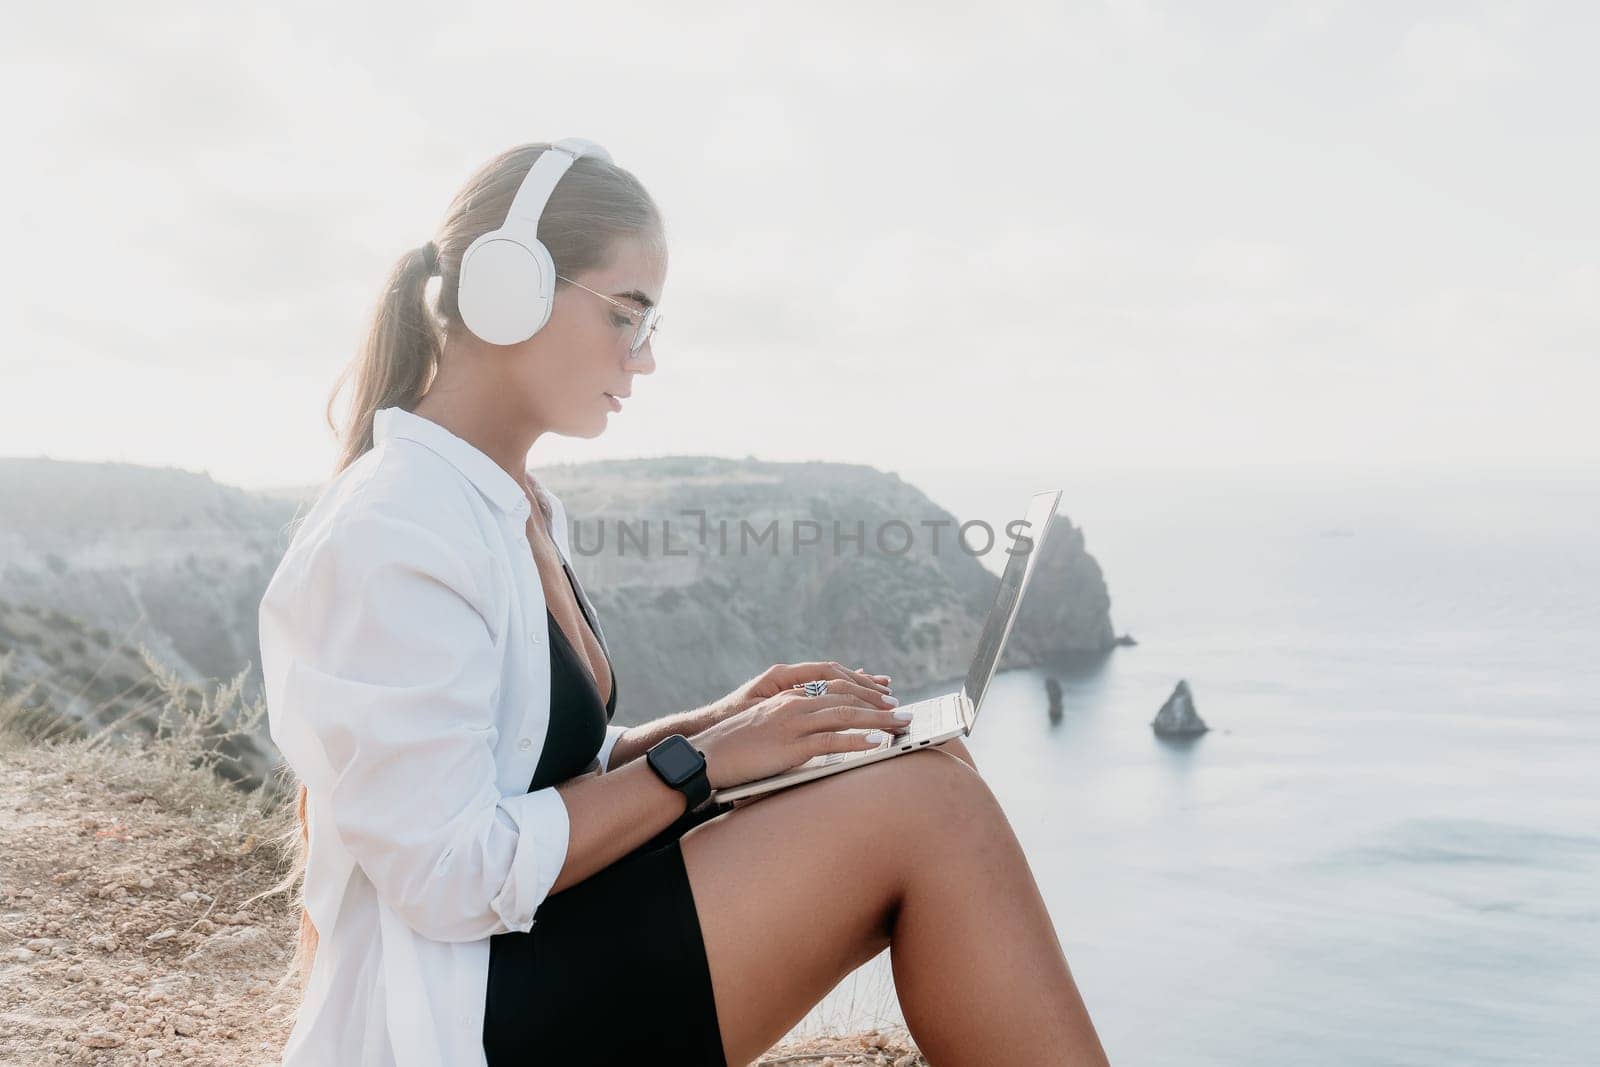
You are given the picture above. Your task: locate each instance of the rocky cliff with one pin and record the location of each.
(894, 593)
(703, 571)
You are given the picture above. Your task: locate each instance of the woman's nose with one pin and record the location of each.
(643, 361)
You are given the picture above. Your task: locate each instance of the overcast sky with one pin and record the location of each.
(1086, 235)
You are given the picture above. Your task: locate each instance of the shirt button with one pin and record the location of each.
(525, 744)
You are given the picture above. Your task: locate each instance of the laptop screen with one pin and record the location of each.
(1022, 546)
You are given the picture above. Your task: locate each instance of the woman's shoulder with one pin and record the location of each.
(394, 503)
(400, 481)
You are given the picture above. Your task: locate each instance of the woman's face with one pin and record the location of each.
(581, 354)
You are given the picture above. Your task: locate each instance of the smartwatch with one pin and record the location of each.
(682, 766)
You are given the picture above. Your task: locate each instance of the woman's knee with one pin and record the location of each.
(939, 782)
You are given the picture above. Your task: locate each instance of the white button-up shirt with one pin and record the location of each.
(407, 680)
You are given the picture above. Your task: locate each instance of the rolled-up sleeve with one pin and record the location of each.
(393, 670)
(612, 733)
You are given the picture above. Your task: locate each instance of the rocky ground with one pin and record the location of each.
(136, 924)
(125, 932)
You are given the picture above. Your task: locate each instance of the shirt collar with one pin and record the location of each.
(488, 476)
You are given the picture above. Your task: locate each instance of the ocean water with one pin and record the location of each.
(1387, 850)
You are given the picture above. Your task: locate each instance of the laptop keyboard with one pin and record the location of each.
(929, 719)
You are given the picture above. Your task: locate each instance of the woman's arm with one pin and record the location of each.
(383, 673)
(623, 745)
(637, 740)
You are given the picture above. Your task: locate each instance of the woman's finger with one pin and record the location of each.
(881, 679)
(859, 676)
(833, 712)
(846, 686)
(814, 671)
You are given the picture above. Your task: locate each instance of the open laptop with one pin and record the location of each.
(938, 718)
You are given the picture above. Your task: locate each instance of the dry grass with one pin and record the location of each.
(144, 915)
(136, 918)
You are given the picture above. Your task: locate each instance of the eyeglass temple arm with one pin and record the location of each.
(602, 296)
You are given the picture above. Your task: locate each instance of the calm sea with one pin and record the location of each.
(1387, 850)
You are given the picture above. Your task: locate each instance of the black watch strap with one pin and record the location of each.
(682, 766)
(698, 790)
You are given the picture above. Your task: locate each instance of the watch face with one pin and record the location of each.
(678, 760)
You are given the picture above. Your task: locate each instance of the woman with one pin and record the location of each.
(493, 872)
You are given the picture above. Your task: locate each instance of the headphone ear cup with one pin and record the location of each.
(507, 287)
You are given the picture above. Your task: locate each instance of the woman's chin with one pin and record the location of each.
(593, 426)
(581, 429)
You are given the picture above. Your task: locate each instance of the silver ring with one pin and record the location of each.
(816, 689)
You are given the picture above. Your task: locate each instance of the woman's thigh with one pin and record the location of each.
(797, 890)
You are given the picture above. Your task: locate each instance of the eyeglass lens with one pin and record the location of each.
(647, 329)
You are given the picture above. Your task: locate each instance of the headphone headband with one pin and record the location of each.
(540, 181)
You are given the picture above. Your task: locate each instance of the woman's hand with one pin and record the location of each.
(785, 730)
(783, 677)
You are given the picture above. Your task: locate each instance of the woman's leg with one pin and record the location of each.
(956, 747)
(913, 854)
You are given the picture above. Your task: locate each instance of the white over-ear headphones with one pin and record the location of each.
(508, 280)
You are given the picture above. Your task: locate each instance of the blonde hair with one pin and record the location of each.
(594, 205)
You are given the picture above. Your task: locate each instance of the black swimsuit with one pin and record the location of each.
(571, 747)
(614, 969)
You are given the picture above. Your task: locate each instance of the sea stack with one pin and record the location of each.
(1177, 717)
(1052, 693)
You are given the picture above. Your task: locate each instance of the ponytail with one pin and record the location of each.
(397, 360)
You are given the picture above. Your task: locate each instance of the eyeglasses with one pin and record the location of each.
(647, 320)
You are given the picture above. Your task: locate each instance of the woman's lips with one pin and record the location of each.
(616, 405)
